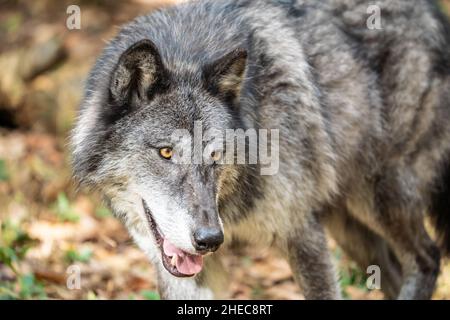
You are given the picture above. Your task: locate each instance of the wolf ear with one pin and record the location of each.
(224, 77)
(138, 74)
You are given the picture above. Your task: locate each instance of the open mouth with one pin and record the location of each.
(178, 262)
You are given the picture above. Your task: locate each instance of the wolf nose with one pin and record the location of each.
(208, 239)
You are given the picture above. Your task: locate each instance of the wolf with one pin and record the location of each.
(363, 116)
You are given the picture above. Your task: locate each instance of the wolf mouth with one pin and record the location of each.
(177, 262)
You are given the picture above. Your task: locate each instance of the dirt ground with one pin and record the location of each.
(47, 226)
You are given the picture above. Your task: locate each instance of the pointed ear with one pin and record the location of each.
(138, 74)
(225, 76)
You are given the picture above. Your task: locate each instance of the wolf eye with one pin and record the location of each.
(216, 155)
(166, 153)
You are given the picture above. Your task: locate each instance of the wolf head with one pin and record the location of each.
(125, 145)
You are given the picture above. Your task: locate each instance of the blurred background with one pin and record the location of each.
(46, 226)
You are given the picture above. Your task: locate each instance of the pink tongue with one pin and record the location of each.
(187, 264)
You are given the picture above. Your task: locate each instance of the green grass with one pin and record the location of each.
(3, 171)
(150, 295)
(91, 295)
(12, 23)
(63, 209)
(25, 287)
(102, 212)
(352, 276)
(14, 244)
(72, 255)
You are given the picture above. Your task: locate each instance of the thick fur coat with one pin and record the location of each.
(364, 135)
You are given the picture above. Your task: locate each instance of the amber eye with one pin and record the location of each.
(166, 153)
(216, 155)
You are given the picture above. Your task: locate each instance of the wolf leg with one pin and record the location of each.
(420, 260)
(310, 261)
(366, 248)
(210, 283)
(398, 218)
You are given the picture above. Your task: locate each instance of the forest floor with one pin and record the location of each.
(47, 226)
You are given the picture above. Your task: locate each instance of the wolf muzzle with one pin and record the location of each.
(207, 239)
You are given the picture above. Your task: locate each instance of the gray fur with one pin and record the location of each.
(364, 120)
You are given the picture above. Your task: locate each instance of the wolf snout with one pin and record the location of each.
(207, 239)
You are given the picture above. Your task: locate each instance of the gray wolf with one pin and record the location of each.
(364, 138)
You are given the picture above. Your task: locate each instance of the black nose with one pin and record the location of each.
(208, 239)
